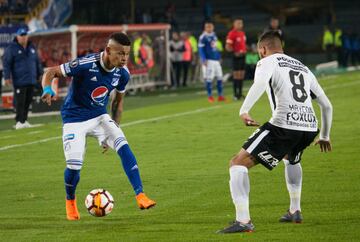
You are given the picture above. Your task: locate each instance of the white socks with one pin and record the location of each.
(293, 176)
(239, 189)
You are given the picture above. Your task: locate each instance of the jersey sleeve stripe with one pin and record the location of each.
(63, 70)
(122, 91)
(87, 58)
(313, 96)
(272, 94)
(87, 62)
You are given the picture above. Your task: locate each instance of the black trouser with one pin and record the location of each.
(237, 87)
(23, 98)
(175, 73)
(185, 67)
(238, 65)
(329, 51)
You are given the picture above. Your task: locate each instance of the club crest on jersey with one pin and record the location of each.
(99, 95)
(74, 63)
(115, 81)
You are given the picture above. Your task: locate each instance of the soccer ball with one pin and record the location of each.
(99, 202)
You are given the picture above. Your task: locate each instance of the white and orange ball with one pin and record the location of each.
(99, 202)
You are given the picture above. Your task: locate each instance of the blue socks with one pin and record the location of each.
(219, 86)
(208, 86)
(71, 178)
(130, 167)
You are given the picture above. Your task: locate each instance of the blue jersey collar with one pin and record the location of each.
(103, 65)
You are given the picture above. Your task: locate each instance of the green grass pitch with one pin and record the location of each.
(183, 145)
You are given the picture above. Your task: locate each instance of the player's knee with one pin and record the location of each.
(243, 159)
(119, 142)
(74, 164)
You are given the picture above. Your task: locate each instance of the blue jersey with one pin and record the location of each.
(90, 87)
(207, 47)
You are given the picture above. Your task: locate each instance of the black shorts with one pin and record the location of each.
(269, 144)
(239, 63)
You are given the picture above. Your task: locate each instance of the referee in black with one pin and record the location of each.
(22, 68)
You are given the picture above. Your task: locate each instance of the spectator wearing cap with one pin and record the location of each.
(22, 68)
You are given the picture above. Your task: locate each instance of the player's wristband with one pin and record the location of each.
(48, 90)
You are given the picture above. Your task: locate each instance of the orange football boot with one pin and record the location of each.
(144, 202)
(221, 99)
(72, 212)
(211, 99)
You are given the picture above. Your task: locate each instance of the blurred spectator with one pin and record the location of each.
(160, 52)
(346, 47)
(355, 49)
(251, 59)
(187, 55)
(22, 67)
(176, 55)
(219, 45)
(136, 48)
(146, 52)
(195, 58)
(338, 46)
(328, 43)
(275, 26)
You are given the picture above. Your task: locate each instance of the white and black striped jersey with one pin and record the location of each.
(290, 86)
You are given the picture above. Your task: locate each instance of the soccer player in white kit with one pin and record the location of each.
(290, 86)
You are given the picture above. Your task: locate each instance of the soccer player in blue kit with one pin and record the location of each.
(210, 61)
(84, 113)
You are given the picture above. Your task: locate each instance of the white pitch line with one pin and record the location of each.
(31, 114)
(168, 116)
(30, 143)
(5, 137)
(142, 121)
(35, 132)
(342, 85)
